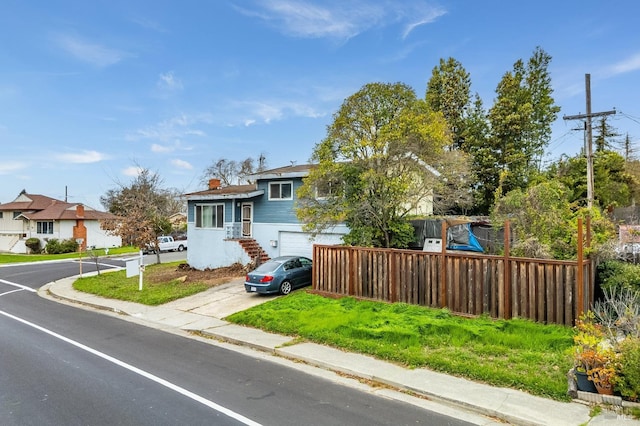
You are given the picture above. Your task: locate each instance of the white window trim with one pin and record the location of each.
(39, 227)
(212, 205)
(286, 182)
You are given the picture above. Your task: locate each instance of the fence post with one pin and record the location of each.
(443, 266)
(393, 283)
(579, 274)
(507, 271)
(352, 271)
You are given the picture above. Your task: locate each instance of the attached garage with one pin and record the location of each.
(300, 243)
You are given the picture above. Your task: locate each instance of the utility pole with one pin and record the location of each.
(588, 142)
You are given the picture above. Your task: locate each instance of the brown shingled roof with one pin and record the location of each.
(38, 202)
(227, 190)
(42, 207)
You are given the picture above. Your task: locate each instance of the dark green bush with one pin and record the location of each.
(33, 244)
(619, 275)
(54, 246)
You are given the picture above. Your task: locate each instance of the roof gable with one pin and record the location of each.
(41, 207)
(32, 202)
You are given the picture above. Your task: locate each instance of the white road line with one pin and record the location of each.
(23, 287)
(140, 372)
(11, 291)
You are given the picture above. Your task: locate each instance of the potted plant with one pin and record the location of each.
(603, 378)
(586, 356)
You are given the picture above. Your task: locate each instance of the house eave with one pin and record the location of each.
(289, 175)
(244, 195)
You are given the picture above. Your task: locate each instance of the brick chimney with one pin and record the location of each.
(80, 211)
(214, 183)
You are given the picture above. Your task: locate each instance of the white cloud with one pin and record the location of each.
(168, 81)
(10, 167)
(272, 110)
(427, 16)
(132, 171)
(89, 52)
(632, 63)
(82, 157)
(161, 148)
(339, 19)
(181, 164)
(175, 128)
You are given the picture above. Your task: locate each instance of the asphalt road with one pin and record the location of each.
(61, 365)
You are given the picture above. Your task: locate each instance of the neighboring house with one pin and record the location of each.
(42, 217)
(178, 220)
(240, 223)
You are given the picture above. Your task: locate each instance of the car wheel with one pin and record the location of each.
(180, 247)
(285, 287)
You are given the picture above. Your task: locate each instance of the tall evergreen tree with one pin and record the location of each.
(449, 92)
(520, 122)
(604, 135)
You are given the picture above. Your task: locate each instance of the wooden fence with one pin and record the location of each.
(549, 291)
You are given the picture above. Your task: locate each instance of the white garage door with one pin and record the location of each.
(299, 244)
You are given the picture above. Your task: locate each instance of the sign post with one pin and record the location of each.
(141, 271)
(79, 241)
(135, 266)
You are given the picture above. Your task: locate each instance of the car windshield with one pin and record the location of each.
(267, 267)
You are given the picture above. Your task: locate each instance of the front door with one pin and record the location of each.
(247, 217)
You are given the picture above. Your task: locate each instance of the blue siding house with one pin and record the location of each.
(240, 223)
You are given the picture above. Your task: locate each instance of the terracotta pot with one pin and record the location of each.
(604, 390)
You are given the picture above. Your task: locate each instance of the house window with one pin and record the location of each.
(45, 227)
(326, 189)
(209, 215)
(1, 214)
(281, 190)
(16, 214)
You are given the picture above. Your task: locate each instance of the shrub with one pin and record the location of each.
(54, 246)
(619, 275)
(33, 244)
(627, 381)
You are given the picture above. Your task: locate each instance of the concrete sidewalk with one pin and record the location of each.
(204, 313)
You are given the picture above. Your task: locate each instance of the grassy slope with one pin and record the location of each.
(515, 353)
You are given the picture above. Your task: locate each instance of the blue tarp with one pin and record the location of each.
(460, 237)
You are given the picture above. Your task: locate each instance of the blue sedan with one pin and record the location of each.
(279, 275)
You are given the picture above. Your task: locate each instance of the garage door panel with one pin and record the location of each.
(301, 244)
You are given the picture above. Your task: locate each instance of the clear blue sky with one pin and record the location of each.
(90, 89)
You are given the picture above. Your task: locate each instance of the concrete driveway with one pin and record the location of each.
(220, 301)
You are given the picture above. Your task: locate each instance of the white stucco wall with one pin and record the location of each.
(209, 249)
(62, 230)
(99, 237)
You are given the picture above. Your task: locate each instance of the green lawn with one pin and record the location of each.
(22, 258)
(116, 285)
(517, 353)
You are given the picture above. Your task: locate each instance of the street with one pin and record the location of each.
(64, 365)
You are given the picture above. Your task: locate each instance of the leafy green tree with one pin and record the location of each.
(449, 92)
(613, 184)
(545, 221)
(520, 128)
(374, 166)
